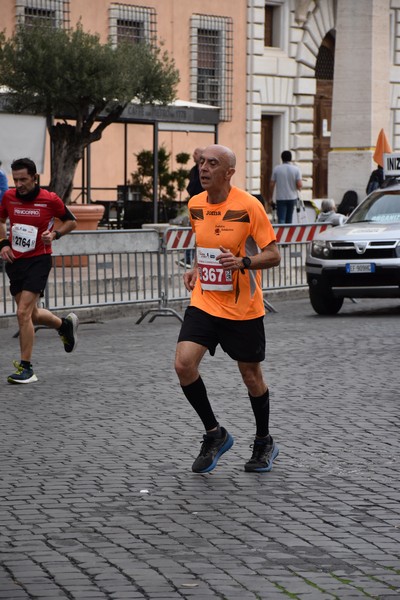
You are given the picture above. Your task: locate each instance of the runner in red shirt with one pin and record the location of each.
(27, 253)
(234, 240)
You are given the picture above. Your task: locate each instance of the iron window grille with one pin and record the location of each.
(211, 62)
(130, 23)
(54, 13)
(324, 67)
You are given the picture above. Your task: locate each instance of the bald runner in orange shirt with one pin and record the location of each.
(234, 241)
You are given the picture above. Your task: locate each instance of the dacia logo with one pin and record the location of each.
(360, 247)
(214, 213)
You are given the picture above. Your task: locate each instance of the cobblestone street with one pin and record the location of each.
(98, 500)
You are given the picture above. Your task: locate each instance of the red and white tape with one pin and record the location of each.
(181, 239)
(286, 234)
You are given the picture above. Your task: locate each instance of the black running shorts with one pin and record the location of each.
(29, 274)
(243, 341)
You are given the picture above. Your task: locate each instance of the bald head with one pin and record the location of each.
(217, 165)
(223, 153)
(197, 152)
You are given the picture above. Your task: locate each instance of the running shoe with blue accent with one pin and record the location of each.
(264, 454)
(212, 449)
(22, 374)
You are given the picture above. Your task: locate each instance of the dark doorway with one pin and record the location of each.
(266, 156)
(323, 115)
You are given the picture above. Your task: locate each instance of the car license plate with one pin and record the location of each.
(360, 268)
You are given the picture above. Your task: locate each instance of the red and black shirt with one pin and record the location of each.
(30, 217)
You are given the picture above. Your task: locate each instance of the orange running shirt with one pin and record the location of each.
(240, 224)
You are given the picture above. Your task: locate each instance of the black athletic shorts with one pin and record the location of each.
(243, 341)
(29, 274)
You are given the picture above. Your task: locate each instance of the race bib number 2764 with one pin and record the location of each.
(23, 237)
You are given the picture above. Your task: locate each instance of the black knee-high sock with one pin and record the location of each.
(260, 406)
(196, 393)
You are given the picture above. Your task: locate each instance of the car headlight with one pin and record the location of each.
(320, 249)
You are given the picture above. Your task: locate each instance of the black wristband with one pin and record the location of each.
(57, 235)
(4, 242)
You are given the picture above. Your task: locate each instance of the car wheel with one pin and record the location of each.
(325, 303)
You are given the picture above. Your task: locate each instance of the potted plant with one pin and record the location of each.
(171, 183)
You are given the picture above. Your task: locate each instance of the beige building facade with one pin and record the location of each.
(317, 77)
(323, 80)
(207, 41)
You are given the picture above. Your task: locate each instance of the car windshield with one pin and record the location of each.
(380, 207)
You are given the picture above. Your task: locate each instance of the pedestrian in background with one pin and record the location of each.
(194, 187)
(3, 182)
(286, 178)
(234, 240)
(348, 203)
(27, 253)
(375, 180)
(328, 213)
(377, 177)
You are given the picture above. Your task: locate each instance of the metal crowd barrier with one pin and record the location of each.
(99, 268)
(292, 241)
(143, 267)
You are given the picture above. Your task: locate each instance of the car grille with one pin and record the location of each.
(374, 250)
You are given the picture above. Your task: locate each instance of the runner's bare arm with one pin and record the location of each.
(6, 252)
(3, 229)
(266, 259)
(190, 277)
(63, 229)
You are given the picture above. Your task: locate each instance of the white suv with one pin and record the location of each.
(360, 259)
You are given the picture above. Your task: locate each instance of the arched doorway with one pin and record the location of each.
(322, 115)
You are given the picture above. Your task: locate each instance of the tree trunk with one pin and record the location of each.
(67, 150)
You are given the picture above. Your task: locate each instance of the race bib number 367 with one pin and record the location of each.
(211, 274)
(24, 237)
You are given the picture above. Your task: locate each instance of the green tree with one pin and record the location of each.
(181, 174)
(169, 182)
(73, 77)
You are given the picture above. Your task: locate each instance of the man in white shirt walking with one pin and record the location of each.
(287, 180)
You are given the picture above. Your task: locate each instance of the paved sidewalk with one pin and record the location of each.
(97, 497)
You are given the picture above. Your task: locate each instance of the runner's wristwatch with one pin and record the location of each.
(246, 262)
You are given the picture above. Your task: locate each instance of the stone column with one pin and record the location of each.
(361, 93)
